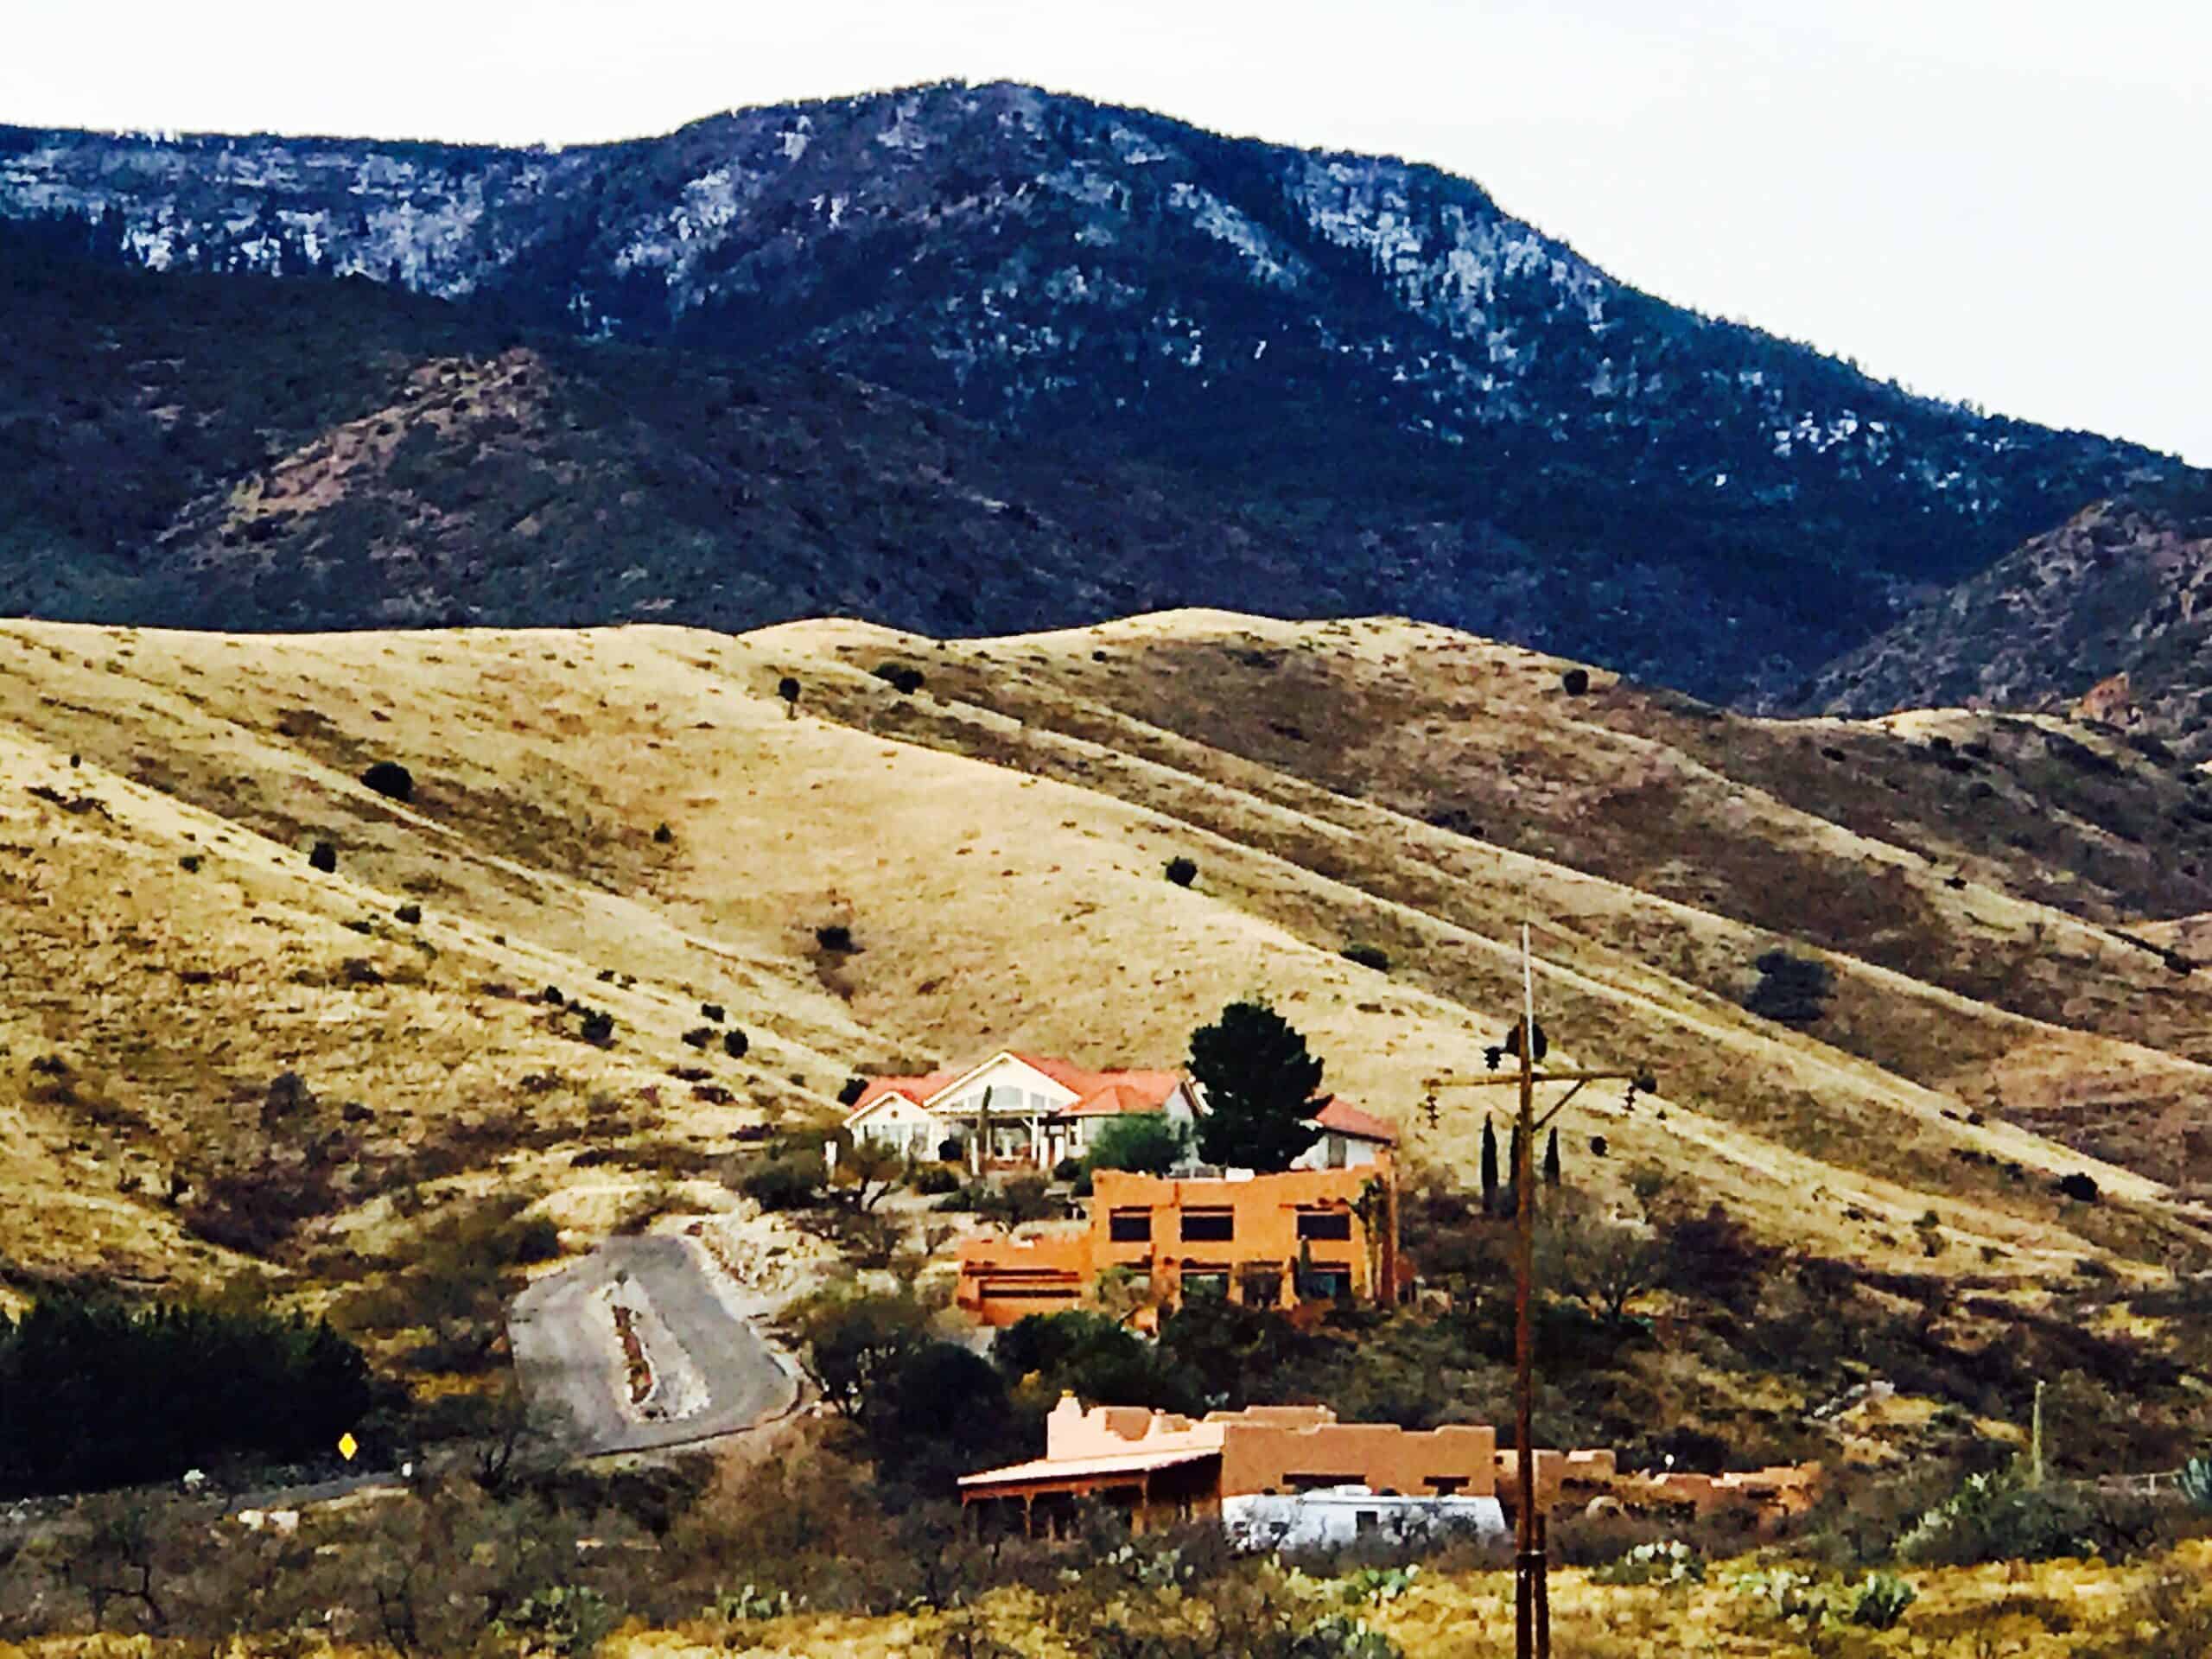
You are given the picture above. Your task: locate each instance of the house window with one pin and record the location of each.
(1209, 1226)
(1129, 1227)
(1324, 1224)
(1319, 1483)
(1209, 1284)
(1366, 1521)
(1328, 1284)
(1447, 1485)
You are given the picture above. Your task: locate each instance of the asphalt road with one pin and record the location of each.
(571, 1364)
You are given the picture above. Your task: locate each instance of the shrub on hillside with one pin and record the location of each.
(323, 857)
(935, 1180)
(735, 1044)
(1792, 990)
(390, 779)
(901, 678)
(1367, 956)
(835, 938)
(851, 1089)
(785, 1181)
(1182, 871)
(1575, 681)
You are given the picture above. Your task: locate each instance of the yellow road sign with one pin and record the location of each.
(347, 1446)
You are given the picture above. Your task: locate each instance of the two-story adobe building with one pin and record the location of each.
(1274, 1240)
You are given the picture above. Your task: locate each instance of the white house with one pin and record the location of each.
(1040, 1109)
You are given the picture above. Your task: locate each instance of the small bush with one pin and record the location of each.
(408, 915)
(1182, 871)
(536, 1240)
(698, 1036)
(1881, 1600)
(1575, 681)
(390, 779)
(787, 1182)
(735, 1044)
(713, 1012)
(837, 938)
(323, 857)
(901, 678)
(598, 1029)
(1792, 990)
(663, 835)
(1067, 1169)
(851, 1089)
(1367, 956)
(935, 1180)
(2080, 1186)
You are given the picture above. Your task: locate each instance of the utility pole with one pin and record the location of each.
(1532, 1633)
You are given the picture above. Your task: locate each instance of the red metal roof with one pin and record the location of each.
(1340, 1117)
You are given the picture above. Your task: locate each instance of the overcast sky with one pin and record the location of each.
(2004, 202)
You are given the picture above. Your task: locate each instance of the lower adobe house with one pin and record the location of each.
(1271, 1474)
(1278, 1476)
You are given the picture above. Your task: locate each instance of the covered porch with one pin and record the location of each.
(1045, 1498)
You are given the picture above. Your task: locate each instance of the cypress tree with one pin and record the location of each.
(1489, 1168)
(1513, 1172)
(1551, 1159)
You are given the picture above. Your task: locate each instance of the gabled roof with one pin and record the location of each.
(1098, 1094)
(1340, 1117)
(916, 1090)
(1128, 1092)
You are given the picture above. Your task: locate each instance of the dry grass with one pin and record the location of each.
(995, 844)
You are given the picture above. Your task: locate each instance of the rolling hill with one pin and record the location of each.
(627, 824)
(1422, 404)
(2111, 610)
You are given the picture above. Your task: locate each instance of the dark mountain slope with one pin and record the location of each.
(1442, 407)
(2111, 610)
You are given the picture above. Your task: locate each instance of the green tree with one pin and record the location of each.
(854, 1343)
(1490, 1167)
(1551, 1159)
(1151, 1143)
(1261, 1086)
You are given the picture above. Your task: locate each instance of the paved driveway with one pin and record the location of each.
(569, 1361)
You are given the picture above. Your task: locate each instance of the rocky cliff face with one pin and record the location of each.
(1345, 340)
(2109, 616)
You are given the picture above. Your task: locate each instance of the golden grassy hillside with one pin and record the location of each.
(995, 842)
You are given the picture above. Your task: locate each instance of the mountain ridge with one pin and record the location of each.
(1313, 335)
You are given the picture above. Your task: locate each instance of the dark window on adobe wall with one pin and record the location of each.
(1324, 1224)
(1209, 1226)
(1129, 1226)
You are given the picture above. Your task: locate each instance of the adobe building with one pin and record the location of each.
(1271, 1240)
(1253, 1470)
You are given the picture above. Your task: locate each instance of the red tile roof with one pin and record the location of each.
(1098, 1094)
(1341, 1116)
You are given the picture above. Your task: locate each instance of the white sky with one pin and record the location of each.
(2006, 201)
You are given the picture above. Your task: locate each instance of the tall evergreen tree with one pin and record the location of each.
(1551, 1159)
(1259, 1084)
(1490, 1167)
(1513, 1172)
